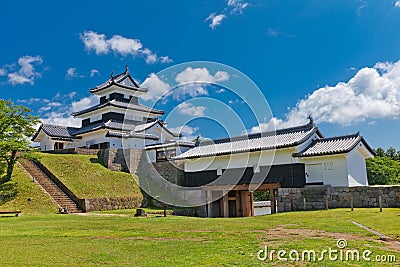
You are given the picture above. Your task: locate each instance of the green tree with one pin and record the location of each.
(16, 126)
(391, 153)
(383, 171)
(380, 152)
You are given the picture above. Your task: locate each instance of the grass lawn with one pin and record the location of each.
(87, 178)
(75, 240)
(23, 188)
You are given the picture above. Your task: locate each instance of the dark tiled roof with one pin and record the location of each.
(175, 143)
(132, 135)
(57, 131)
(263, 141)
(142, 127)
(333, 145)
(118, 104)
(123, 80)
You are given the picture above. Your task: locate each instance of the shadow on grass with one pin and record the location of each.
(8, 191)
(97, 161)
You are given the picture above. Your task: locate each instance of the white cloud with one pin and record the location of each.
(95, 41)
(397, 4)
(190, 109)
(120, 45)
(27, 72)
(220, 91)
(373, 93)
(61, 118)
(84, 103)
(3, 72)
(94, 72)
(165, 59)
(156, 87)
(215, 20)
(71, 73)
(232, 7)
(272, 125)
(200, 75)
(58, 114)
(188, 133)
(237, 6)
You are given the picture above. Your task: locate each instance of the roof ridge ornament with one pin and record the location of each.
(126, 69)
(311, 119)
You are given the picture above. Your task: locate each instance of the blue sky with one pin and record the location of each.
(336, 60)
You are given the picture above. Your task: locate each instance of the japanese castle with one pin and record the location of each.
(117, 121)
(293, 157)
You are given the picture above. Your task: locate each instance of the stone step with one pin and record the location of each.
(50, 187)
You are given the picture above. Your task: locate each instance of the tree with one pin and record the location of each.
(380, 152)
(391, 152)
(16, 126)
(383, 171)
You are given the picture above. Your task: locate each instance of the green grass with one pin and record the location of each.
(72, 240)
(22, 185)
(87, 178)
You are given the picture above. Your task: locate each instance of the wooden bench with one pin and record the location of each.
(17, 212)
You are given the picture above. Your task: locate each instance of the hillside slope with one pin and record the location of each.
(87, 178)
(28, 197)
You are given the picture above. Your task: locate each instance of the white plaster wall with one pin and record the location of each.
(335, 177)
(259, 211)
(96, 138)
(356, 166)
(240, 160)
(46, 144)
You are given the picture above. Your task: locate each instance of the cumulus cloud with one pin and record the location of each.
(57, 113)
(232, 7)
(371, 94)
(191, 110)
(27, 72)
(189, 79)
(156, 87)
(120, 45)
(397, 4)
(200, 75)
(61, 118)
(84, 103)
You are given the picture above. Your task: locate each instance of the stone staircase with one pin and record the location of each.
(49, 186)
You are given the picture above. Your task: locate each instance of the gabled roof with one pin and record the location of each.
(132, 135)
(333, 145)
(123, 80)
(143, 127)
(282, 138)
(118, 104)
(174, 143)
(57, 131)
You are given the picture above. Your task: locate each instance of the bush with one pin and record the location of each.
(383, 171)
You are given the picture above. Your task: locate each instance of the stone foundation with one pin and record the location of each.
(292, 199)
(97, 204)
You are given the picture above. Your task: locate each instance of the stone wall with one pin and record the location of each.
(292, 199)
(97, 204)
(118, 159)
(171, 171)
(82, 151)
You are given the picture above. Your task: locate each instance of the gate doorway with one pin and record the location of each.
(237, 201)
